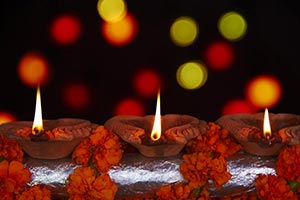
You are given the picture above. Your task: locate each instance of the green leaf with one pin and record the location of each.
(294, 185)
(91, 165)
(197, 191)
(3, 158)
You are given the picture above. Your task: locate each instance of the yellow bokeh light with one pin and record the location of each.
(232, 26)
(263, 91)
(111, 10)
(184, 31)
(191, 75)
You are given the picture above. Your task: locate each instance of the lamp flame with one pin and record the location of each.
(37, 126)
(267, 128)
(156, 131)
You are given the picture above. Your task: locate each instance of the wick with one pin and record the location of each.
(37, 131)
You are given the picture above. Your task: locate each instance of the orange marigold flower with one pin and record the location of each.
(102, 147)
(214, 139)
(181, 191)
(36, 192)
(13, 177)
(288, 163)
(10, 149)
(200, 167)
(80, 181)
(82, 153)
(103, 188)
(84, 184)
(273, 188)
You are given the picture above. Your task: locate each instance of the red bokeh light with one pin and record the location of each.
(219, 55)
(237, 106)
(33, 69)
(76, 96)
(65, 29)
(120, 33)
(147, 82)
(6, 117)
(129, 106)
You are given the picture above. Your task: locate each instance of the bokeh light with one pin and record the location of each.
(147, 82)
(191, 75)
(6, 117)
(121, 32)
(234, 106)
(33, 69)
(65, 29)
(111, 10)
(219, 56)
(232, 26)
(184, 31)
(129, 106)
(263, 91)
(76, 96)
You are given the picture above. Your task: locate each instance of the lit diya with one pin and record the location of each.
(47, 139)
(157, 136)
(262, 134)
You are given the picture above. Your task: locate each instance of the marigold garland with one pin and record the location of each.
(10, 149)
(102, 148)
(97, 154)
(36, 192)
(84, 183)
(271, 187)
(288, 163)
(14, 176)
(215, 139)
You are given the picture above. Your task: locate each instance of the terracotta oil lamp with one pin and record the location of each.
(47, 139)
(262, 134)
(157, 136)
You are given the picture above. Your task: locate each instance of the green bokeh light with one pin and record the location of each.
(184, 31)
(111, 10)
(232, 26)
(191, 75)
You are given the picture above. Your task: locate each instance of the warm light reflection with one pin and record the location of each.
(156, 131)
(267, 128)
(37, 126)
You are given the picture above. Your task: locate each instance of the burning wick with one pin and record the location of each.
(156, 131)
(267, 128)
(37, 127)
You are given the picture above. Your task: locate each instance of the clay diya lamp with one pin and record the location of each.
(57, 139)
(176, 131)
(262, 134)
(47, 139)
(157, 136)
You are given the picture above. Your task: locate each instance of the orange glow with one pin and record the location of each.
(156, 130)
(219, 56)
(129, 106)
(237, 106)
(121, 32)
(37, 126)
(267, 127)
(6, 117)
(65, 29)
(263, 91)
(33, 69)
(76, 96)
(146, 82)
